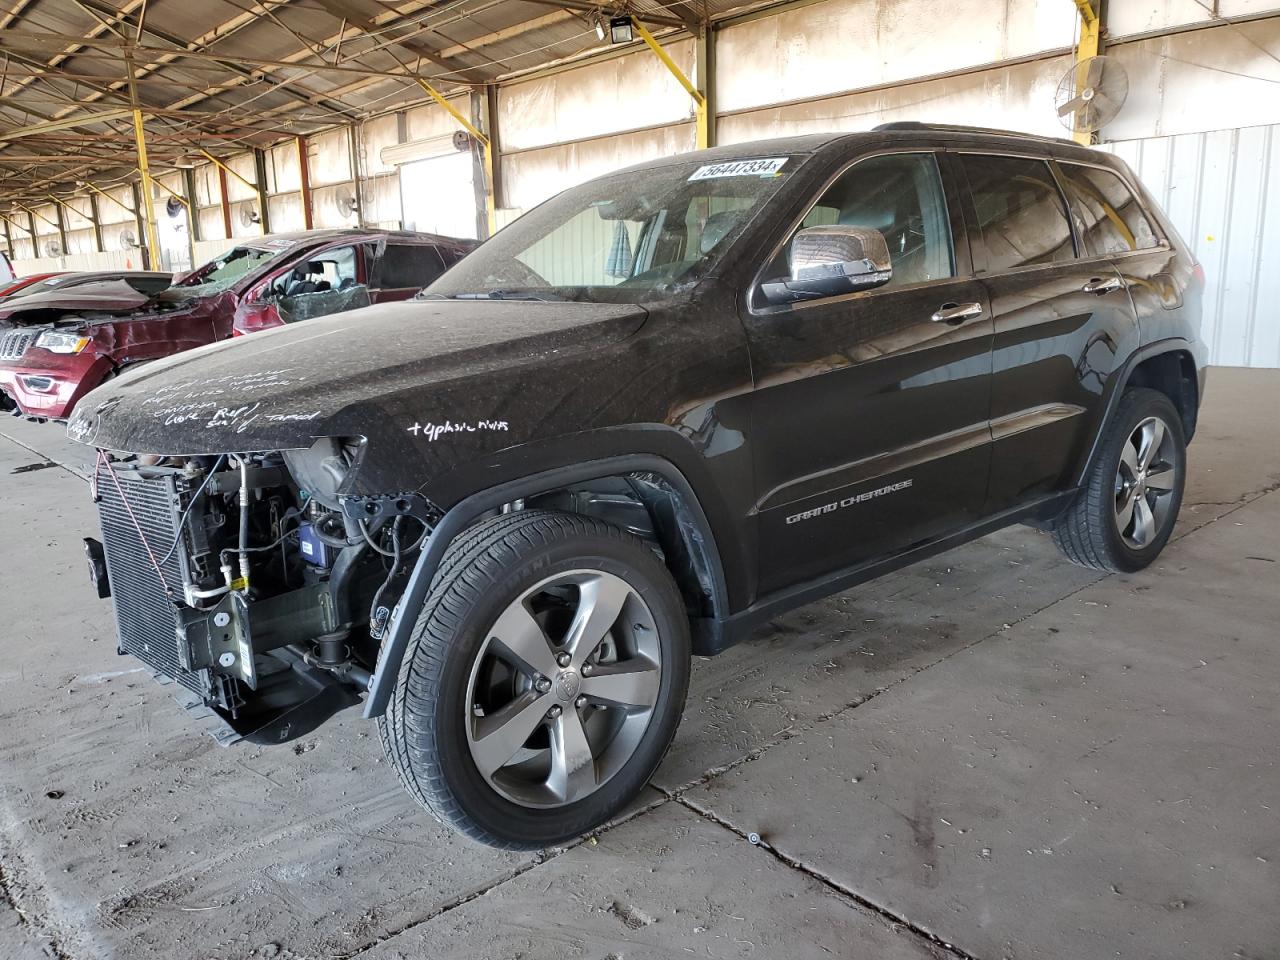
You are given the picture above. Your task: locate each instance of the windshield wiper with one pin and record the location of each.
(503, 295)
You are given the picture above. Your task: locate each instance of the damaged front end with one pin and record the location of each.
(251, 580)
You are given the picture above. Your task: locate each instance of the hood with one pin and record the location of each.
(334, 375)
(125, 295)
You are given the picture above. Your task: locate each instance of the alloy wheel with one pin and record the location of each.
(1146, 479)
(563, 688)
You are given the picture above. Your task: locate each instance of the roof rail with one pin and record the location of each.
(960, 128)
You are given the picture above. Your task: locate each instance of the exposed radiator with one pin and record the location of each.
(145, 620)
(14, 343)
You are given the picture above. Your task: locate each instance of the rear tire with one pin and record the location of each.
(1126, 510)
(544, 680)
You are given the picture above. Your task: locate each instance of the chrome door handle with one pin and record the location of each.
(1099, 286)
(956, 312)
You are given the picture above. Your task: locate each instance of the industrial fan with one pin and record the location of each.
(1091, 94)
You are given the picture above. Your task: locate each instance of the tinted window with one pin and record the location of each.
(899, 195)
(407, 265)
(1021, 217)
(1108, 217)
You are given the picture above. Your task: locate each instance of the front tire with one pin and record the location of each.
(1126, 511)
(543, 682)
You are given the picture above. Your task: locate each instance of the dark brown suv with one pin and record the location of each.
(641, 421)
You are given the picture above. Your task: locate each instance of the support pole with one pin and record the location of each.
(702, 118)
(148, 263)
(353, 154)
(485, 146)
(260, 174)
(223, 200)
(58, 206)
(148, 204)
(8, 240)
(304, 178)
(95, 216)
(1089, 45)
(189, 188)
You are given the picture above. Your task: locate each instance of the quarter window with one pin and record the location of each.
(901, 196)
(1108, 216)
(1021, 217)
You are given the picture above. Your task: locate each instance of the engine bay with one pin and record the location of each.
(251, 581)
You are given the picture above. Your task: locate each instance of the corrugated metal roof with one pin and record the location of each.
(236, 73)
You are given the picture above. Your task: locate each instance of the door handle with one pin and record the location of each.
(956, 312)
(1100, 286)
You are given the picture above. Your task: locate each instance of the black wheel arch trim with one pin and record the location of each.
(1116, 391)
(471, 508)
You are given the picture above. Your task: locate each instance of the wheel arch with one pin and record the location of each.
(681, 526)
(1168, 366)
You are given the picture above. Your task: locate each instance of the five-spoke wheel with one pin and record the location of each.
(564, 687)
(1128, 505)
(544, 680)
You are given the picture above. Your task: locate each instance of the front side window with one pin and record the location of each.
(900, 195)
(1022, 219)
(623, 238)
(1107, 214)
(319, 272)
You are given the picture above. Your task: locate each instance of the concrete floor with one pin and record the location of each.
(994, 754)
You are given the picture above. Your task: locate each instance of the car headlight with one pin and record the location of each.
(56, 342)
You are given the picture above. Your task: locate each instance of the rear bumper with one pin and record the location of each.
(51, 386)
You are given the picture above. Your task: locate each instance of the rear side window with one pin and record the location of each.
(1022, 219)
(1107, 214)
(407, 265)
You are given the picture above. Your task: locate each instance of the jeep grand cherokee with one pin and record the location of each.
(642, 420)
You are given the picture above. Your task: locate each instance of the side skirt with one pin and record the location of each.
(712, 637)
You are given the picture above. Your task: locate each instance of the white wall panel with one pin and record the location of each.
(623, 93)
(283, 172)
(381, 196)
(286, 213)
(330, 157)
(847, 45)
(236, 190)
(1226, 76)
(1130, 17)
(532, 177)
(327, 212)
(374, 135)
(1019, 97)
(431, 120)
(1222, 191)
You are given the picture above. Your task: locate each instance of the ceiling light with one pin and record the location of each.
(601, 33)
(620, 30)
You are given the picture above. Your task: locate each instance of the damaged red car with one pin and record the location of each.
(58, 345)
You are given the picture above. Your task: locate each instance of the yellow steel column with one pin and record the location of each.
(701, 114)
(485, 146)
(148, 204)
(1089, 45)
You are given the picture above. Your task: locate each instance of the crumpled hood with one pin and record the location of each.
(106, 296)
(333, 376)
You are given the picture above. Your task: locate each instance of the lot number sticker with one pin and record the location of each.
(739, 168)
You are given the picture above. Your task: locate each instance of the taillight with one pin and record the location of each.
(1198, 273)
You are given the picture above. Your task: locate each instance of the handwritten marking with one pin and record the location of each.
(433, 431)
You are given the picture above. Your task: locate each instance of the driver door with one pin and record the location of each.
(870, 414)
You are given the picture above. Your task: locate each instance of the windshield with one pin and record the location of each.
(627, 237)
(221, 272)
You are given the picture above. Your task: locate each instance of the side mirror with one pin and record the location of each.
(827, 261)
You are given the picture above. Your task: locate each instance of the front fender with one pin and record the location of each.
(469, 509)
